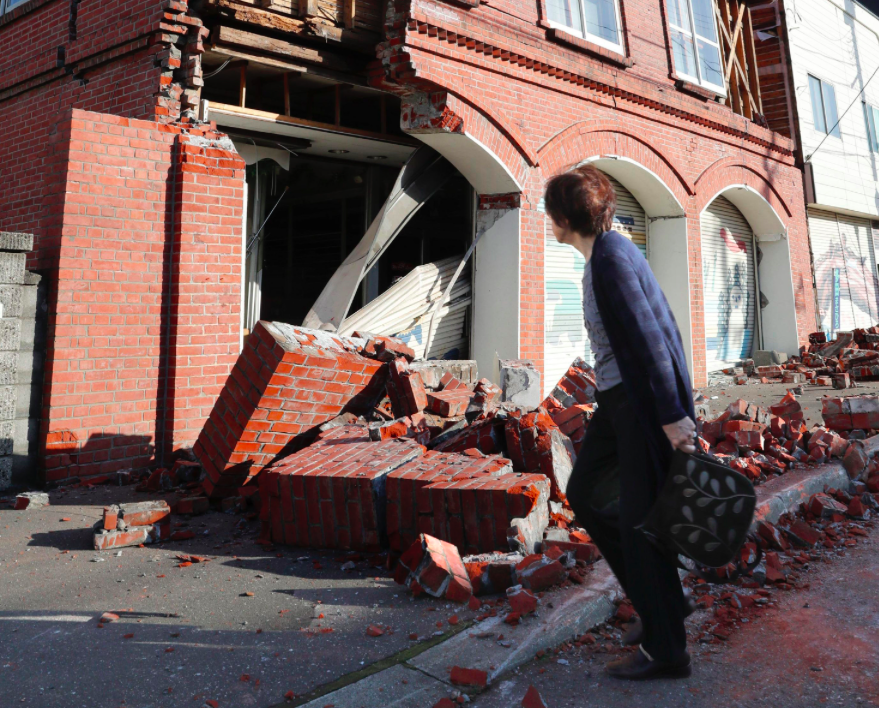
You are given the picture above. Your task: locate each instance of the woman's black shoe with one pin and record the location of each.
(635, 633)
(637, 667)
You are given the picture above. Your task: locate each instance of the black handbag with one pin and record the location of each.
(704, 512)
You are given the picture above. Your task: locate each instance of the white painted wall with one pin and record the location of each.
(838, 42)
(495, 333)
(667, 255)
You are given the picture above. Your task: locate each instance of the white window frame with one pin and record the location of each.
(690, 33)
(618, 48)
(834, 131)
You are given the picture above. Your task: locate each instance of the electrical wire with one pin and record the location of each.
(217, 71)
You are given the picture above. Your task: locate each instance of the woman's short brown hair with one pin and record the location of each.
(582, 200)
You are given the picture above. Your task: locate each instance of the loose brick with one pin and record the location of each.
(435, 567)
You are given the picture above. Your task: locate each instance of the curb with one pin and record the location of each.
(563, 615)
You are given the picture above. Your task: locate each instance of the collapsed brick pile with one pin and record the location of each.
(348, 443)
(852, 356)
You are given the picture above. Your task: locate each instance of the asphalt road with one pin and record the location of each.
(816, 647)
(196, 635)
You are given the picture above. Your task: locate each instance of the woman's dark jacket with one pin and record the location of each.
(645, 340)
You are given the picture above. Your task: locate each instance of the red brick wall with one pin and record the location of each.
(144, 256)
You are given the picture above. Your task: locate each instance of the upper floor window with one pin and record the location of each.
(694, 43)
(597, 21)
(823, 106)
(9, 5)
(872, 116)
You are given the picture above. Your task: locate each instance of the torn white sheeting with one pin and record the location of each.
(405, 310)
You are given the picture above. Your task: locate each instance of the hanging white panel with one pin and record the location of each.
(564, 331)
(845, 271)
(404, 310)
(729, 284)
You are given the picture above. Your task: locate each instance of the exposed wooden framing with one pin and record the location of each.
(751, 54)
(738, 57)
(288, 65)
(348, 13)
(227, 35)
(242, 85)
(286, 94)
(303, 123)
(308, 8)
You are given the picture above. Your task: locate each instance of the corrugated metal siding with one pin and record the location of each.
(729, 284)
(564, 332)
(404, 310)
(844, 253)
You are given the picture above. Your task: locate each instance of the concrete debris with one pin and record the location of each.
(520, 382)
(31, 500)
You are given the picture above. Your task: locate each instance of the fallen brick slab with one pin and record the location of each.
(412, 509)
(406, 389)
(435, 567)
(332, 493)
(143, 513)
(576, 386)
(449, 403)
(536, 445)
(485, 435)
(286, 382)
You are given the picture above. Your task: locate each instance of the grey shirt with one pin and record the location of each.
(607, 373)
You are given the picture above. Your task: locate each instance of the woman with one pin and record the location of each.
(645, 411)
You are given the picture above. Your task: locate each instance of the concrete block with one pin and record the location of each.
(31, 500)
(520, 381)
(8, 368)
(12, 268)
(16, 241)
(5, 472)
(766, 357)
(11, 300)
(7, 402)
(398, 687)
(10, 334)
(432, 371)
(6, 437)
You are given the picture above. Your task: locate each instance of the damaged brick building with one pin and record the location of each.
(188, 169)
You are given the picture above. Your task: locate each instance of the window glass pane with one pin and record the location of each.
(565, 12)
(709, 63)
(682, 47)
(830, 109)
(601, 19)
(868, 120)
(13, 3)
(874, 121)
(679, 14)
(703, 16)
(817, 108)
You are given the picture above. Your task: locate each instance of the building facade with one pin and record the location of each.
(188, 169)
(834, 52)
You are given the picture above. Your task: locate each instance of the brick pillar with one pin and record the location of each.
(127, 302)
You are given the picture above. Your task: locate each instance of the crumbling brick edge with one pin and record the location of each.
(574, 611)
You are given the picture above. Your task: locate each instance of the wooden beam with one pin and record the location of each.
(348, 13)
(751, 53)
(735, 99)
(227, 35)
(308, 8)
(286, 94)
(302, 123)
(242, 85)
(735, 39)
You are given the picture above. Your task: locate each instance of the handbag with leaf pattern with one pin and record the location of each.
(703, 512)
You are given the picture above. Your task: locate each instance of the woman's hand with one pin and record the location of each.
(682, 435)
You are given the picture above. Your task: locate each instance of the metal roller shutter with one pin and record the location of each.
(729, 284)
(564, 332)
(844, 255)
